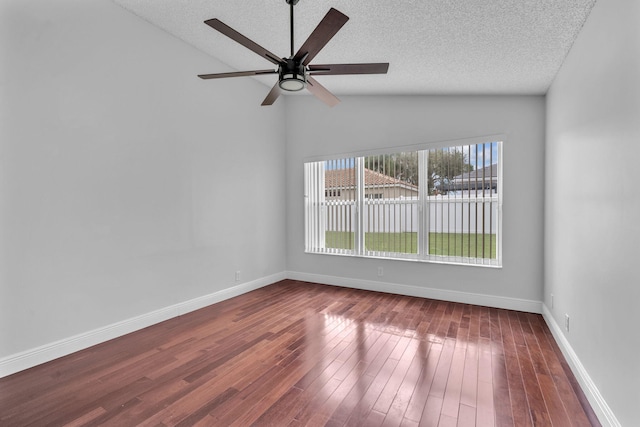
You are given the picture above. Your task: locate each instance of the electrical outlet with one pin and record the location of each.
(237, 275)
(551, 300)
(380, 272)
(566, 322)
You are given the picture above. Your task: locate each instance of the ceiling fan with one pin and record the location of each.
(295, 73)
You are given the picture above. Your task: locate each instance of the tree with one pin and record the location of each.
(443, 166)
(401, 166)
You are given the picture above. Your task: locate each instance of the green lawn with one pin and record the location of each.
(448, 244)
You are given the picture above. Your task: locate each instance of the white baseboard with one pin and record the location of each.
(45, 353)
(599, 405)
(419, 291)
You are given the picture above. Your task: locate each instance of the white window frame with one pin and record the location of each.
(316, 206)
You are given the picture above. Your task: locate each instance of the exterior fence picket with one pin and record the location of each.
(457, 214)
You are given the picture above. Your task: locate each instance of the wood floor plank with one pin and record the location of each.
(309, 384)
(274, 380)
(501, 396)
(363, 408)
(441, 377)
(407, 346)
(485, 411)
(357, 393)
(519, 405)
(537, 406)
(453, 391)
(423, 388)
(87, 418)
(467, 416)
(572, 397)
(395, 414)
(409, 423)
(431, 413)
(469, 387)
(298, 353)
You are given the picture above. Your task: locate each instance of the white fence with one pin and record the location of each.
(446, 214)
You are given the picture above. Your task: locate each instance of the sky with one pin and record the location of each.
(487, 154)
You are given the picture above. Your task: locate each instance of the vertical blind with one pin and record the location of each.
(441, 205)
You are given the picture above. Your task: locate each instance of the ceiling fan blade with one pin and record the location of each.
(326, 29)
(236, 74)
(321, 92)
(216, 24)
(273, 94)
(334, 69)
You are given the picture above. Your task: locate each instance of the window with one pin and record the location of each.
(438, 204)
(373, 196)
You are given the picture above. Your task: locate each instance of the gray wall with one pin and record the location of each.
(117, 166)
(377, 122)
(593, 202)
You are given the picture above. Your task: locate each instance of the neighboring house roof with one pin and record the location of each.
(346, 178)
(486, 177)
(487, 171)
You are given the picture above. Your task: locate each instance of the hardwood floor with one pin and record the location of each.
(296, 353)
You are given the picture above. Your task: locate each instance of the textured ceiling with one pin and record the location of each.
(433, 46)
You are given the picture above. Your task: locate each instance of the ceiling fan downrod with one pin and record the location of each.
(291, 4)
(292, 73)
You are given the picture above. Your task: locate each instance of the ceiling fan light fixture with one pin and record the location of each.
(293, 76)
(292, 82)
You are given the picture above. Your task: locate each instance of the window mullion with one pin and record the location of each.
(359, 222)
(499, 220)
(423, 204)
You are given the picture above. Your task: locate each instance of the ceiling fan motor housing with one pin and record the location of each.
(292, 75)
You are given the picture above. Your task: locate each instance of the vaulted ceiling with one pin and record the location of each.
(433, 46)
